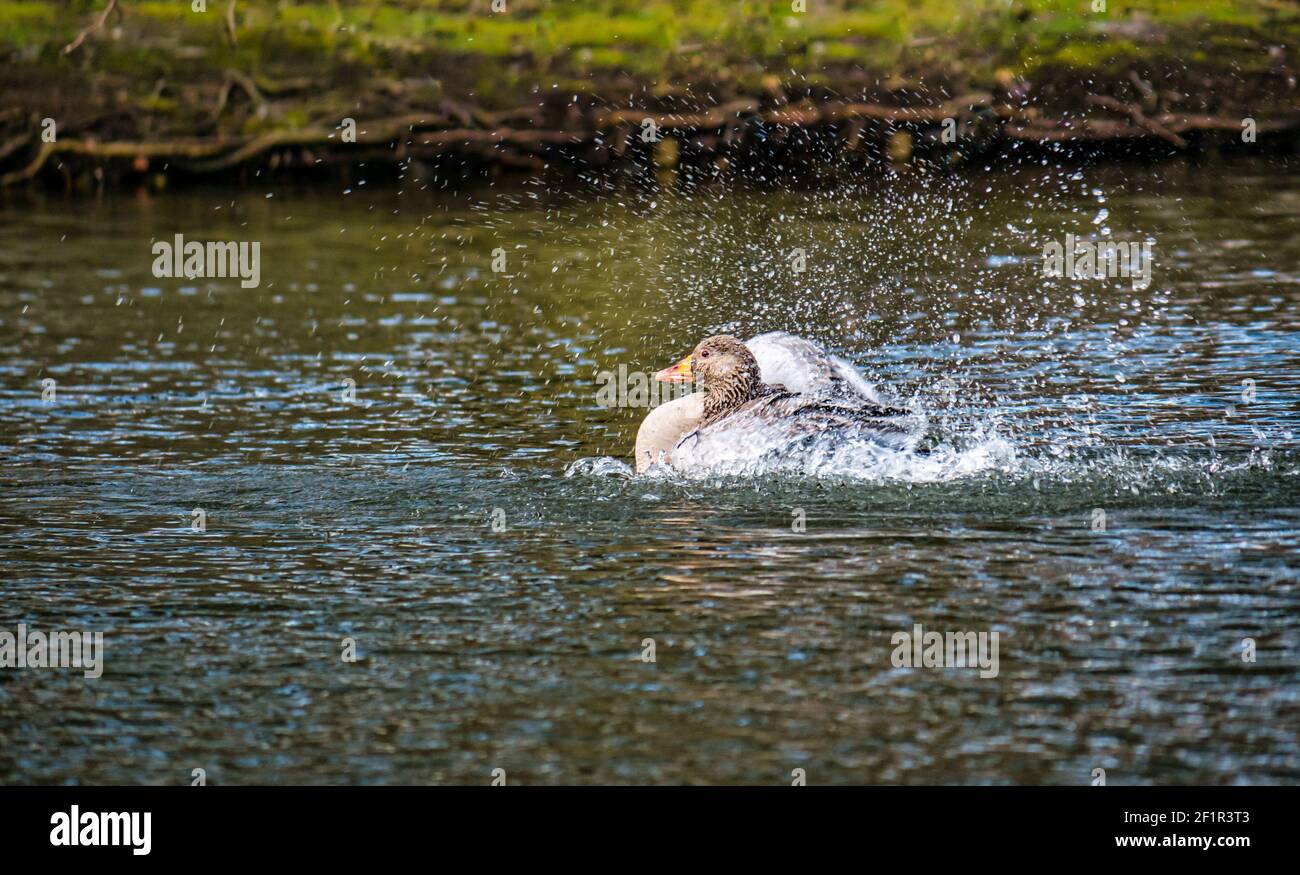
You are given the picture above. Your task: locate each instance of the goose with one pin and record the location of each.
(784, 384)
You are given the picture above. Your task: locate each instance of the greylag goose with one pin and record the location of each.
(782, 383)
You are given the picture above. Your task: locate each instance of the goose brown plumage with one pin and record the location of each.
(728, 375)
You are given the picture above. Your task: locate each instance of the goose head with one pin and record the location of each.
(724, 370)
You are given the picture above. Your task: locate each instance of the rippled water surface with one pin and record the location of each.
(1101, 487)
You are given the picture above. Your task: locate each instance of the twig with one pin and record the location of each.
(276, 88)
(16, 143)
(223, 95)
(1139, 118)
(230, 24)
(383, 130)
(30, 170)
(187, 149)
(250, 88)
(91, 28)
(1144, 87)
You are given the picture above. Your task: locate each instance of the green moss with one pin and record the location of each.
(502, 57)
(24, 13)
(1098, 55)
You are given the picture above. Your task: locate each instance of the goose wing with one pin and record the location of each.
(797, 415)
(813, 413)
(802, 366)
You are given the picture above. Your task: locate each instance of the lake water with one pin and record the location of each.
(1112, 484)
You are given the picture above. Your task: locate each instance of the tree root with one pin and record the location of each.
(91, 28)
(602, 136)
(1173, 125)
(1139, 118)
(230, 24)
(114, 150)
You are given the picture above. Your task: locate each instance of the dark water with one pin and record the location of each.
(521, 648)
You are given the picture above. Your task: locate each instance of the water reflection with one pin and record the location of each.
(521, 647)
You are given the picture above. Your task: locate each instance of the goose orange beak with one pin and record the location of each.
(678, 373)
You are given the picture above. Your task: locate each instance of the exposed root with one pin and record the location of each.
(1139, 118)
(13, 144)
(25, 173)
(230, 24)
(598, 137)
(91, 28)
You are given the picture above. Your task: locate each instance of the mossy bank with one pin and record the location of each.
(151, 93)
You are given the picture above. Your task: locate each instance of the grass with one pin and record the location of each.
(500, 59)
(649, 36)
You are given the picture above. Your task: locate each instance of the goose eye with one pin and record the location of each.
(704, 353)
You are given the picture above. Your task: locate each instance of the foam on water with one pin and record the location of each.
(1109, 472)
(862, 457)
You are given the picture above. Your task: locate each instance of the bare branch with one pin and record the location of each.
(91, 28)
(230, 24)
